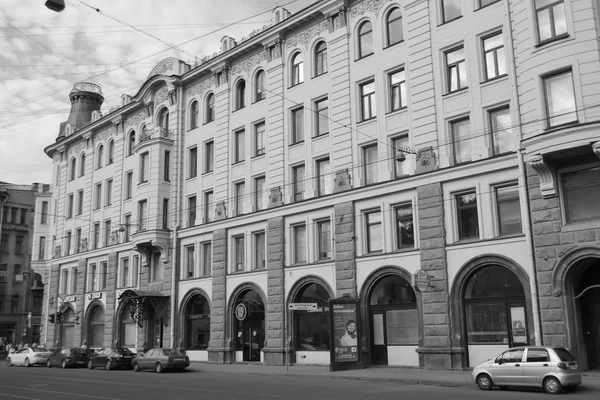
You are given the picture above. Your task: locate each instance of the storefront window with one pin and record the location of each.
(96, 332)
(197, 323)
(312, 328)
(128, 329)
(66, 328)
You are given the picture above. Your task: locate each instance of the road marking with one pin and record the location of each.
(20, 397)
(52, 391)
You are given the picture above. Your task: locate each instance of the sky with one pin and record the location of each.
(44, 53)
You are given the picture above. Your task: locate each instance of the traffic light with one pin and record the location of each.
(58, 318)
(51, 318)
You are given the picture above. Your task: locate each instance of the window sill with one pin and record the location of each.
(190, 178)
(552, 40)
(366, 120)
(238, 109)
(486, 6)
(462, 89)
(559, 127)
(238, 162)
(208, 122)
(258, 156)
(494, 79)
(207, 173)
(577, 226)
(450, 20)
(143, 182)
(364, 57)
(296, 143)
(397, 111)
(320, 136)
(393, 44)
(258, 101)
(320, 75)
(296, 85)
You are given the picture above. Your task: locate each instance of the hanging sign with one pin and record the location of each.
(422, 280)
(302, 306)
(241, 311)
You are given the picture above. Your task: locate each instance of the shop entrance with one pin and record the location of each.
(154, 333)
(249, 311)
(587, 294)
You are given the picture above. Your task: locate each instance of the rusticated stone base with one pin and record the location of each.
(221, 356)
(446, 358)
(274, 356)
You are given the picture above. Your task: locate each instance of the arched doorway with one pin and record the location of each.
(67, 326)
(196, 323)
(127, 328)
(249, 323)
(95, 335)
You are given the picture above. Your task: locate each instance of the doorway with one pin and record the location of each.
(249, 311)
(154, 333)
(588, 306)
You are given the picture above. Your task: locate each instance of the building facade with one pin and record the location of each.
(379, 149)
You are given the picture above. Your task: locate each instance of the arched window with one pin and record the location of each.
(96, 328)
(99, 156)
(297, 69)
(365, 39)
(127, 329)
(197, 323)
(259, 86)
(311, 329)
(73, 168)
(194, 115)
(277, 17)
(240, 95)
(131, 144)
(210, 108)
(321, 59)
(111, 152)
(394, 27)
(163, 120)
(82, 165)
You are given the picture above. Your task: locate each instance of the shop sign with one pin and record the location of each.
(519, 328)
(302, 306)
(422, 280)
(93, 296)
(241, 311)
(344, 331)
(71, 299)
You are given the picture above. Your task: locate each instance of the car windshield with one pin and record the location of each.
(171, 352)
(39, 350)
(123, 350)
(564, 354)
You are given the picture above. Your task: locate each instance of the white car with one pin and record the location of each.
(28, 356)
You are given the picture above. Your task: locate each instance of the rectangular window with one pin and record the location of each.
(509, 210)
(374, 231)
(109, 185)
(42, 249)
(206, 258)
(77, 239)
(96, 237)
(239, 138)
(192, 162)
(143, 215)
(165, 214)
(80, 202)
(209, 156)
(397, 85)
(298, 125)
(73, 280)
(560, 99)
(551, 19)
(19, 244)
(493, 55)
(68, 240)
(124, 279)
(485, 3)
(70, 201)
(4, 243)
(3, 278)
(368, 102)
(324, 182)
(300, 249)
(102, 275)
(240, 194)
(259, 250)
(466, 211)
(322, 117)
(298, 179)
(127, 223)
(135, 268)
(238, 248)
(405, 235)
(450, 10)
(260, 193)
(463, 142)
(189, 261)
(580, 194)
(402, 167)
(259, 139)
(23, 216)
(44, 212)
(191, 211)
(324, 239)
(98, 196)
(107, 232)
(209, 207)
(456, 69)
(64, 281)
(167, 167)
(13, 215)
(129, 185)
(144, 167)
(370, 158)
(92, 278)
(503, 139)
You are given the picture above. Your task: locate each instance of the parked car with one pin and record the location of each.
(550, 368)
(111, 357)
(68, 357)
(160, 360)
(28, 356)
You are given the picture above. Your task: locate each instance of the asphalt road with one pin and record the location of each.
(40, 383)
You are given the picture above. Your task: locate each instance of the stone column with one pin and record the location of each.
(53, 286)
(344, 248)
(79, 329)
(109, 311)
(275, 310)
(219, 347)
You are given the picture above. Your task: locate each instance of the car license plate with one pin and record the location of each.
(128, 356)
(80, 362)
(178, 359)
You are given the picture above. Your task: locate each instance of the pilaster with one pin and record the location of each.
(219, 348)
(345, 248)
(111, 287)
(275, 312)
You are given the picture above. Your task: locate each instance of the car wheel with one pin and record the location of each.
(90, 365)
(8, 363)
(552, 385)
(48, 364)
(108, 365)
(64, 364)
(27, 363)
(485, 382)
(136, 367)
(158, 368)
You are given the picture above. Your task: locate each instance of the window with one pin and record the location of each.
(485, 3)
(129, 185)
(135, 270)
(240, 95)
(240, 193)
(209, 208)
(99, 156)
(321, 59)
(4, 243)
(450, 10)
(368, 103)
(537, 355)
(143, 215)
(298, 173)
(131, 144)
(324, 240)
(259, 250)
(42, 248)
(193, 162)
(64, 280)
(68, 240)
(397, 84)
(163, 121)
(493, 54)
(462, 140)
(73, 169)
(299, 240)
(194, 112)
(107, 232)
(322, 120)
(374, 231)
(102, 277)
(190, 267)
(560, 99)
(365, 39)
(144, 167)
(109, 185)
(405, 167)
(259, 139)
(238, 255)
(96, 236)
(191, 211)
(44, 212)
(23, 216)
(127, 223)
(260, 92)
(80, 202)
(3, 278)
(311, 328)
(456, 69)
(324, 182)
(19, 240)
(509, 210)
(206, 258)
(167, 166)
(70, 201)
(503, 138)
(82, 165)
(239, 146)
(298, 125)
(394, 27)
(370, 158)
(580, 191)
(297, 69)
(551, 19)
(165, 214)
(124, 278)
(210, 108)
(405, 235)
(209, 156)
(260, 193)
(77, 239)
(92, 278)
(466, 211)
(13, 215)
(98, 196)
(111, 152)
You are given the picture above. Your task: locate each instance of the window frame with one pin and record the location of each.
(370, 168)
(192, 206)
(493, 132)
(360, 39)
(256, 238)
(79, 202)
(297, 119)
(370, 97)
(320, 58)
(144, 167)
(259, 138)
(239, 148)
(298, 195)
(98, 196)
(455, 141)
(321, 240)
(510, 185)
(323, 188)
(259, 196)
(167, 166)
(194, 110)
(388, 23)
(209, 108)
(209, 210)
(190, 261)
(192, 162)
(260, 91)
(551, 75)
(206, 263)
(99, 156)
(318, 115)
(239, 198)
(494, 51)
(443, 12)
(457, 64)
(108, 192)
(240, 95)
(550, 7)
(459, 234)
(239, 253)
(297, 69)
(209, 156)
(296, 235)
(131, 143)
(128, 185)
(398, 88)
(368, 233)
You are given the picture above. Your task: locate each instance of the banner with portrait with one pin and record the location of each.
(345, 331)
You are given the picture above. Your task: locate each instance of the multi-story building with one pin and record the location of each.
(21, 289)
(376, 149)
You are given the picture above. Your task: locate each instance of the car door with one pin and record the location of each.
(100, 358)
(536, 366)
(149, 358)
(507, 369)
(18, 358)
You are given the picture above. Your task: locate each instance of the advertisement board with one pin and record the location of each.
(345, 333)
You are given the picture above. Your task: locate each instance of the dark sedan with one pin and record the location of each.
(67, 357)
(160, 360)
(111, 358)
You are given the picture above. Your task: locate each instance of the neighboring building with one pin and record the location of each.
(21, 289)
(360, 148)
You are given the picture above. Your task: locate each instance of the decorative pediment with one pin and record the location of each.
(105, 134)
(246, 66)
(135, 120)
(199, 88)
(161, 95)
(78, 148)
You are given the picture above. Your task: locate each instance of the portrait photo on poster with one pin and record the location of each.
(345, 329)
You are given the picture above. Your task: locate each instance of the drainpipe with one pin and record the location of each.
(523, 191)
(174, 266)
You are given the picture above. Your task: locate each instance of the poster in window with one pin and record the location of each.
(345, 332)
(519, 329)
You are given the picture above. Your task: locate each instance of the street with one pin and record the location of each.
(40, 383)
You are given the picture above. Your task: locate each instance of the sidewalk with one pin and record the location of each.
(403, 376)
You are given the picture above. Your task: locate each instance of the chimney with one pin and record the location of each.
(85, 98)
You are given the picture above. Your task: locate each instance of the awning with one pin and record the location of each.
(137, 294)
(140, 302)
